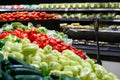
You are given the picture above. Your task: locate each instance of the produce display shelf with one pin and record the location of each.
(21, 10)
(90, 20)
(104, 35)
(74, 19)
(92, 9)
(107, 53)
(110, 20)
(62, 10)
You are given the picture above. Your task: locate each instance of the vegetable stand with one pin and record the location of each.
(50, 57)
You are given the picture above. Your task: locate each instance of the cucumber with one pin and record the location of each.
(24, 71)
(5, 76)
(19, 66)
(48, 78)
(17, 61)
(28, 77)
(5, 63)
(54, 76)
(0, 73)
(1, 57)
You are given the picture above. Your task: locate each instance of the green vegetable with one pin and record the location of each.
(31, 27)
(5, 25)
(41, 30)
(25, 41)
(16, 47)
(17, 55)
(1, 57)
(54, 76)
(66, 77)
(63, 62)
(47, 49)
(6, 76)
(92, 76)
(18, 24)
(57, 72)
(73, 69)
(69, 73)
(13, 66)
(44, 68)
(2, 43)
(85, 73)
(65, 15)
(7, 46)
(91, 62)
(49, 58)
(109, 76)
(28, 77)
(55, 66)
(37, 59)
(48, 78)
(17, 61)
(12, 39)
(30, 48)
(100, 71)
(25, 71)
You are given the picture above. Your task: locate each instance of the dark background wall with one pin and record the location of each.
(8, 2)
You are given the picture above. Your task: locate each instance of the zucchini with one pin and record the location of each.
(25, 71)
(28, 77)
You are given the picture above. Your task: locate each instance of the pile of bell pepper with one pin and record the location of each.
(42, 40)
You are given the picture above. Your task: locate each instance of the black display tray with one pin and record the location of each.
(104, 35)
